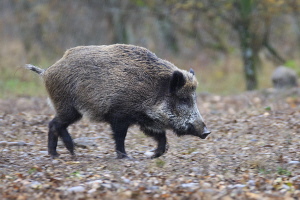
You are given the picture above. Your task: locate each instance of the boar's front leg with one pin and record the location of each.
(119, 128)
(161, 139)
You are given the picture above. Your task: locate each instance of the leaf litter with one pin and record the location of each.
(252, 153)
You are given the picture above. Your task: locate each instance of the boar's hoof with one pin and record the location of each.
(158, 153)
(54, 155)
(74, 156)
(121, 155)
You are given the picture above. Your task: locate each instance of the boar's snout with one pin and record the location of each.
(199, 130)
(205, 133)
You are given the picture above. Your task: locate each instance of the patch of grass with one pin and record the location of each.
(279, 171)
(260, 165)
(264, 170)
(268, 108)
(283, 171)
(293, 64)
(16, 87)
(20, 82)
(15, 80)
(160, 163)
(191, 150)
(32, 170)
(75, 174)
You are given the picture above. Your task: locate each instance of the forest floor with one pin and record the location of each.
(253, 152)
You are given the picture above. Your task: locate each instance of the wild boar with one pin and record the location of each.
(284, 77)
(122, 85)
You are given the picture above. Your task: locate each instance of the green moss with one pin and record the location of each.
(16, 87)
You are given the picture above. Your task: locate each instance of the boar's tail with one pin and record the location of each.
(35, 69)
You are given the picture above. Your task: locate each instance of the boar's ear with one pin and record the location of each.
(192, 71)
(177, 81)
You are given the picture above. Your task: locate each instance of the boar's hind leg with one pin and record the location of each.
(161, 140)
(119, 129)
(58, 127)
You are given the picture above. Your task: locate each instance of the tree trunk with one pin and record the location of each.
(169, 35)
(249, 55)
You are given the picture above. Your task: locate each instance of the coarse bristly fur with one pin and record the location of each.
(122, 85)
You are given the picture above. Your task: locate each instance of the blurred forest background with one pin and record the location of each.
(233, 45)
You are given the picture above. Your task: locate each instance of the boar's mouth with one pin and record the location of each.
(205, 133)
(202, 134)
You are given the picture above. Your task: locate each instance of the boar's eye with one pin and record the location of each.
(184, 100)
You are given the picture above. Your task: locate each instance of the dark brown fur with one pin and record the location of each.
(121, 85)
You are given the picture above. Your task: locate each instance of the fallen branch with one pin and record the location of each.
(21, 143)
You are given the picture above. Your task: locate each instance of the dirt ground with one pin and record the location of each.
(252, 153)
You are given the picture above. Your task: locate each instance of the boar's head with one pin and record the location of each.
(178, 110)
